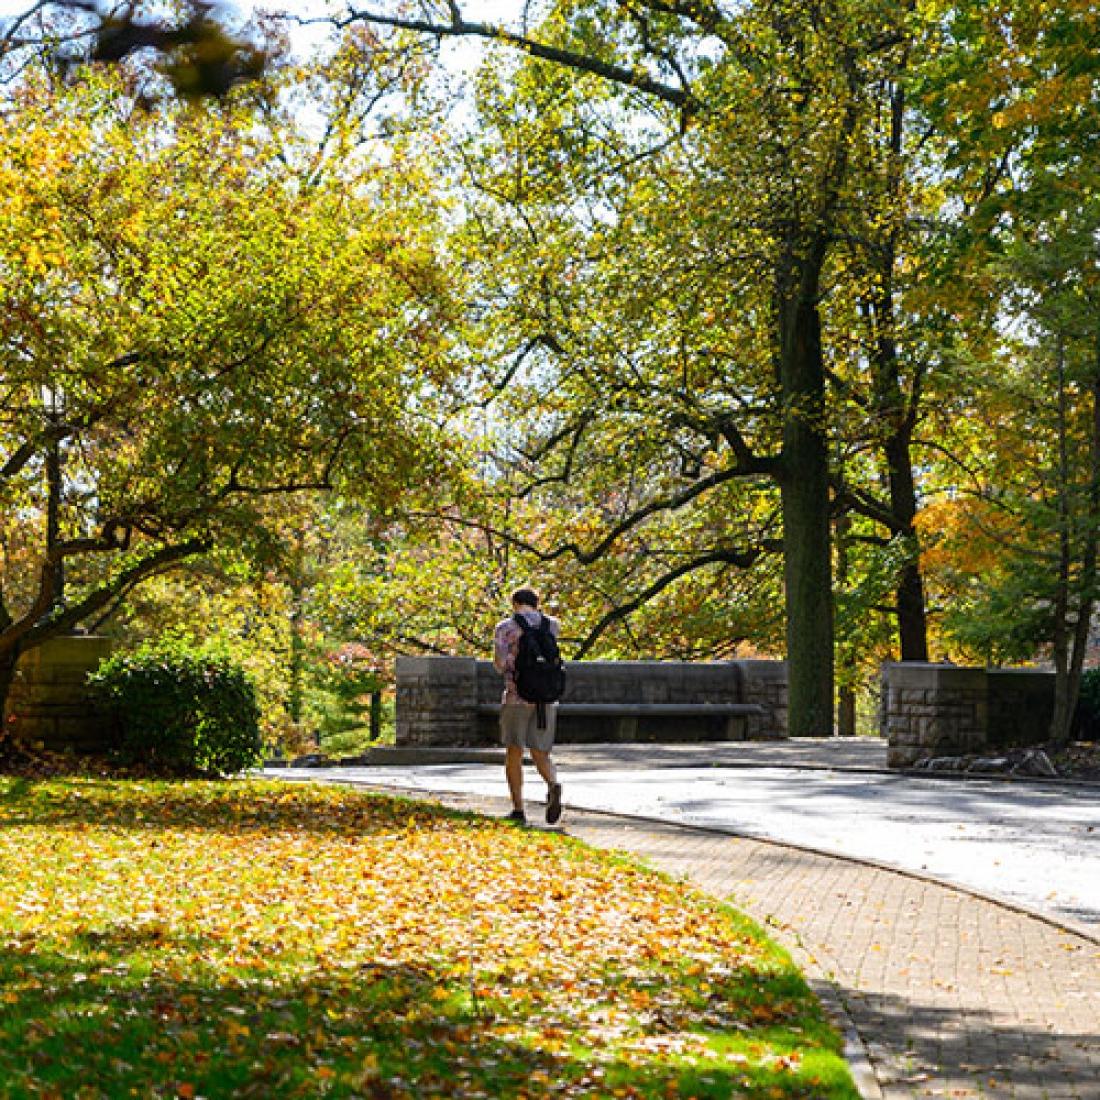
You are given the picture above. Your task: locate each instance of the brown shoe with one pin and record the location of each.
(553, 804)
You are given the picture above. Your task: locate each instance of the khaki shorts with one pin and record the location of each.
(519, 726)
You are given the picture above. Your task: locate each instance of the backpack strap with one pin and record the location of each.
(525, 626)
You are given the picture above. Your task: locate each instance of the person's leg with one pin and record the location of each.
(513, 723)
(545, 765)
(513, 769)
(539, 744)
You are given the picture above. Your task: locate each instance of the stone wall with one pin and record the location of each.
(929, 710)
(765, 683)
(436, 701)
(1021, 704)
(49, 700)
(442, 700)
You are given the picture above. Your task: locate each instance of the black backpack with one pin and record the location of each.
(540, 673)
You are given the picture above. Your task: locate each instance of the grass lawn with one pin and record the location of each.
(259, 939)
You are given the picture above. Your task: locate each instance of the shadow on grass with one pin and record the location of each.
(82, 1025)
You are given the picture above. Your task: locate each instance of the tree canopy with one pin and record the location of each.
(196, 317)
(773, 323)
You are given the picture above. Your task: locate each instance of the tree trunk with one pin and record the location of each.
(909, 592)
(1069, 648)
(8, 660)
(899, 412)
(1060, 717)
(893, 409)
(1089, 551)
(846, 712)
(845, 655)
(804, 491)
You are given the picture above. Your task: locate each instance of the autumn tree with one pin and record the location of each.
(769, 96)
(1016, 104)
(769, 99)
(202, 308)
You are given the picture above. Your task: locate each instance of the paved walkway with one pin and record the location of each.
(952, 995)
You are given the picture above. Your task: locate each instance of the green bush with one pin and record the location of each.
(1088, 705)
(181, 709)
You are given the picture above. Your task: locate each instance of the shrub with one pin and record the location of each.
(1088, 705)
(181, 709)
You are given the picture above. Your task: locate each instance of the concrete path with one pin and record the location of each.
(952, 995)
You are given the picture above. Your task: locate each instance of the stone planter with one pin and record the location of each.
(929, 710)
(50, 701)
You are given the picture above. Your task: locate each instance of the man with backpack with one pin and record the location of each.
(525, 653)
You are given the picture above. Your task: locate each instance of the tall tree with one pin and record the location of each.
(1015, 102)
(191, 325)
(770, 96)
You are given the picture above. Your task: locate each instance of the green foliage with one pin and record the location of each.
(204, 309)
(1088, 704)
(357, 739)
(347, 680)
(999, 621)
(182, 709)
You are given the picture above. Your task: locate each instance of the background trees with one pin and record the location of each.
(769, 299)
(768, 102)
(1015, 105)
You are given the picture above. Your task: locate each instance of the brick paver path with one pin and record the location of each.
(952, 995)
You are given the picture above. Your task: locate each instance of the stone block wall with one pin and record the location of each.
(50, 701)
(929, 710)
(438, 700)
(765, 682)
(1021, 704)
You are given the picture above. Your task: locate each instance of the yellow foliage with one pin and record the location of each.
(961, 534)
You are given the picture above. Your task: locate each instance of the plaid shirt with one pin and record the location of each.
(505, 647)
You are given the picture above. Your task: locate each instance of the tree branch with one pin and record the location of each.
(864, 504)
(19, 458)
(460, 27)
(113, 590)
(741, 558)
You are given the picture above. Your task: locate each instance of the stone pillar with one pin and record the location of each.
(932, 710)
(765, 683)
(50, 701)
(436, 701)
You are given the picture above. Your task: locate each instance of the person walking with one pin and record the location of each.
(526, 724)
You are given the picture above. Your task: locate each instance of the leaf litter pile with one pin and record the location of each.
(261, 939)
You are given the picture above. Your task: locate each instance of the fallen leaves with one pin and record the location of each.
(298, 941)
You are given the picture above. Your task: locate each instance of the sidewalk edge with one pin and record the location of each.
(855, 1049)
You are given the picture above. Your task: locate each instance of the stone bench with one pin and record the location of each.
(642, 710)
(456, 701)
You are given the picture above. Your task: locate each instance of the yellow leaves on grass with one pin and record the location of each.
(302, 938)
